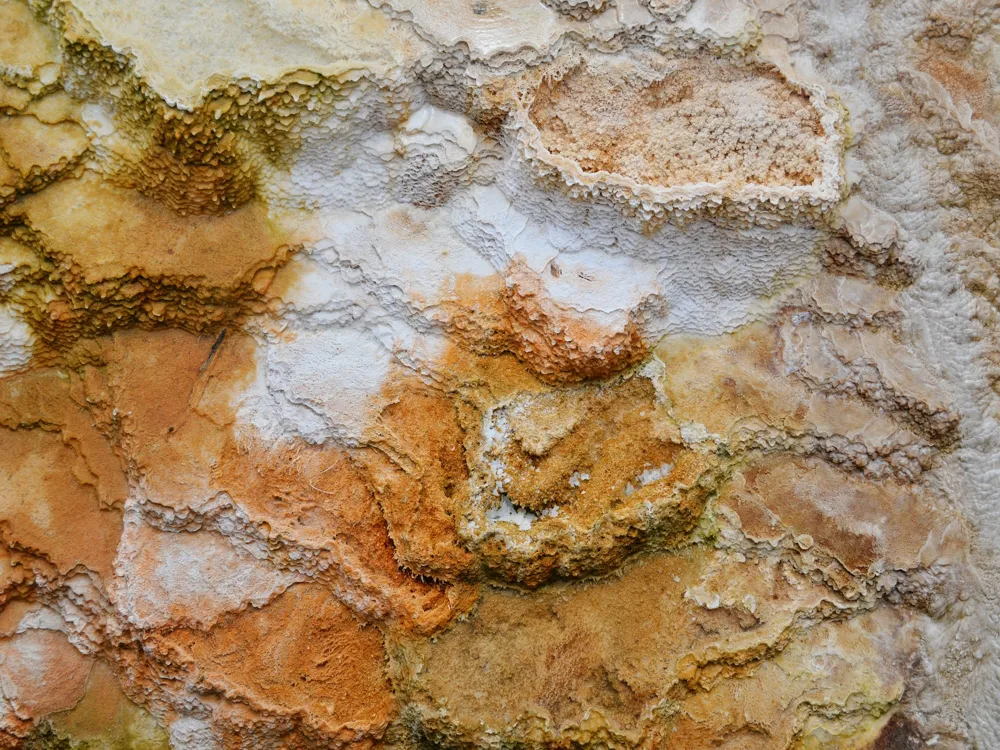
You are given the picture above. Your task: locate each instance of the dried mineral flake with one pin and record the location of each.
(530, 374)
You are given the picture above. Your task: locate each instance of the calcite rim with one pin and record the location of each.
(753, 203)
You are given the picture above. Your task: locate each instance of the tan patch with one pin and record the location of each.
(740, 388)
(104, 232)
(25, 43)
(582, 662)
(587, 448)
(720, 382)
(848, 670)
(33, 146)
(866, 525)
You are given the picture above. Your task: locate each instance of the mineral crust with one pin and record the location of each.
(536, 374)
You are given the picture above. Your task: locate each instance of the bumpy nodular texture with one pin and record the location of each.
(499, 374)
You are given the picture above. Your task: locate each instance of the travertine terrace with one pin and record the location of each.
(528, 374)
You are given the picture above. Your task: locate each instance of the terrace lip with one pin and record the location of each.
(746, 204)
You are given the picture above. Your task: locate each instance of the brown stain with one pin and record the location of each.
(858, 522)
(108, 258)
(728, 733)
(211, 175)
(900, 733)
(561, 650)
(804, 502)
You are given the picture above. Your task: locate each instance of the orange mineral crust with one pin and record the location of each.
(522, 375)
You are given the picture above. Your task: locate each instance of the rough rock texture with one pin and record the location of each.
(499, 374)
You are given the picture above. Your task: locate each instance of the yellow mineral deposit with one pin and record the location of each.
(534, 374)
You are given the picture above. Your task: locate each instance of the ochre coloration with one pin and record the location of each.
(310, 663)
(536, 374)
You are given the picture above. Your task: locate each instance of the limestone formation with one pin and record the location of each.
(536, 374)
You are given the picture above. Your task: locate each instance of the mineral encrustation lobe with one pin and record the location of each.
(477, 374)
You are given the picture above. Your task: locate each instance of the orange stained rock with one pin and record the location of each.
(184, 578)
(41, 672)
(56, 401)
(177, 393)
(105, 714)
(303, 656)
(320, 499)
(421, 481)
(156, 382)
(543, 529)
(62, 487)
(44, 508)
(15, 581)
(514, 312)
(564, 345)
(600, 467)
